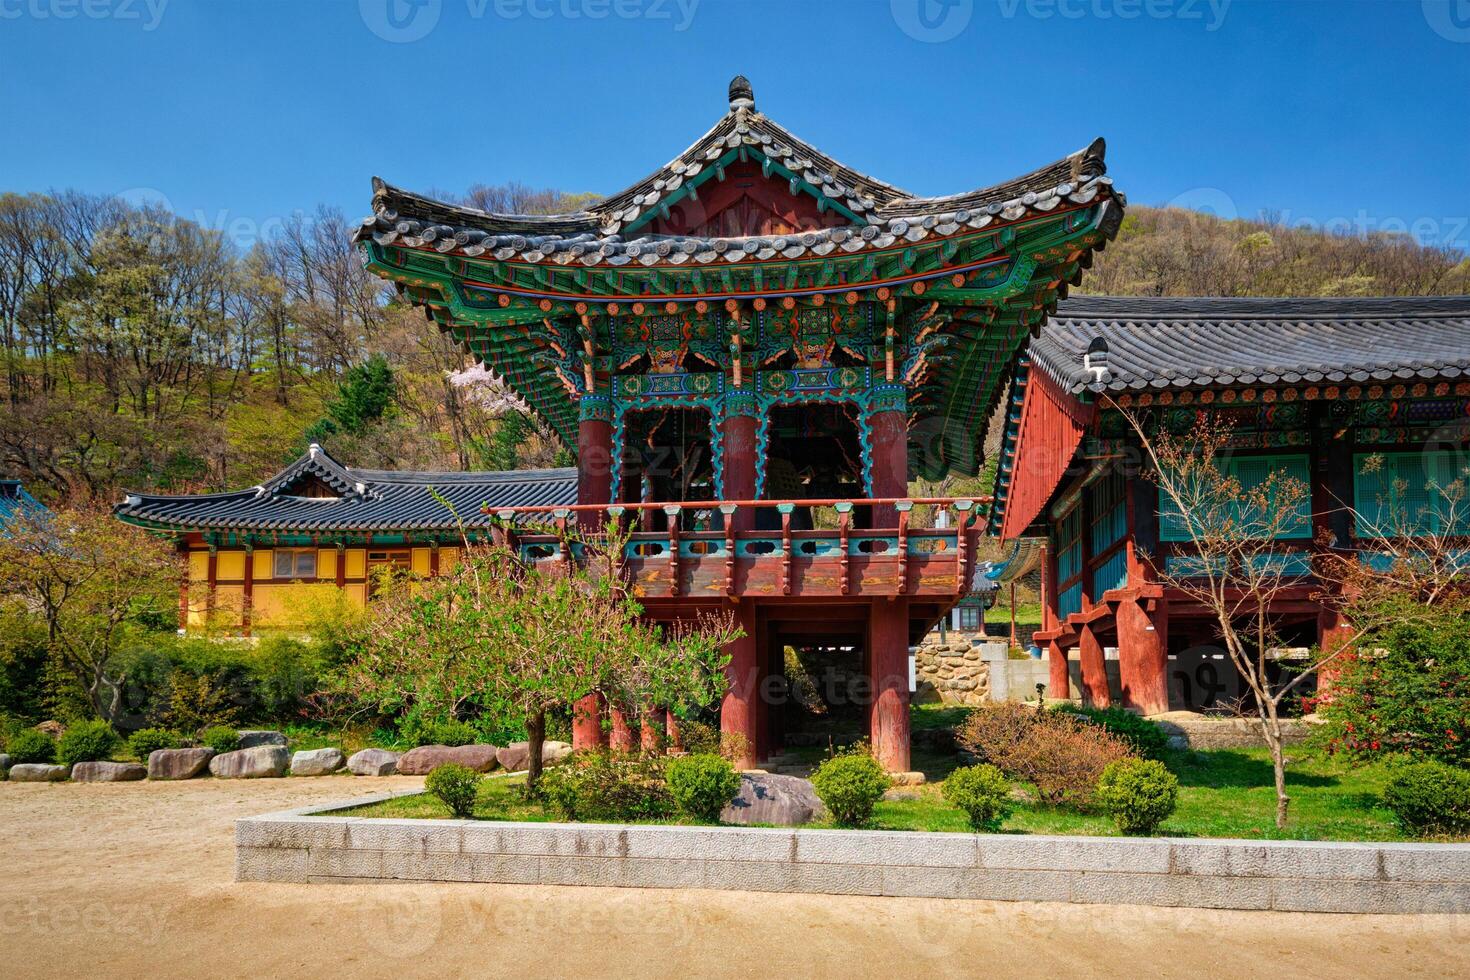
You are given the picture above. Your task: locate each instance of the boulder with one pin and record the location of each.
(178, 763)
(373, 762)
(37, 772)
(516, 757)
(261, 762)
(317, 762)
(420, 761)
(785, 801)
(4, 764)
(108, 772)
(53, 728)
(252, 738)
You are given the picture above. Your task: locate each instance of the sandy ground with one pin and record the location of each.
(134, 880)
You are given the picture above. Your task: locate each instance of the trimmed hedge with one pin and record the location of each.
(1430, 798)
(702, 785)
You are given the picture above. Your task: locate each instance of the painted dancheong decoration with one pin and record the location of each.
(749, 334)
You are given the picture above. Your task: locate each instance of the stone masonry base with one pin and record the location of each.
(311, 845)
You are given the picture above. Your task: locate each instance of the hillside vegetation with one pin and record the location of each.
(142, 351)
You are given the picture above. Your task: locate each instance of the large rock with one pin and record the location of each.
(317, 762)
(373, 762)
(422, 760)
(261, 762)
(108, 772)
(178, 763)
(516, 757)
(4, 764)
(252, 738)
(769, 798)
(37, 772)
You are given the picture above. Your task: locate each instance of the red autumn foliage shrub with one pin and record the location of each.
(1061, 754)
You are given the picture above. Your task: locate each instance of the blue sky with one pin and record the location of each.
(237, 112)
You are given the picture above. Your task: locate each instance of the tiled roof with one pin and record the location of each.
(14, 501)
(1157, 343)
(885, 214)
(370, 500)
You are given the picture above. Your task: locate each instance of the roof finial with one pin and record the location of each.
(741, 95)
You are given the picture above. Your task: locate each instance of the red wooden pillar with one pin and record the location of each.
(890, 467)
(888, 655)
(587, 724)
(737, 436)
(1333, 631)
(738, 712)
(594, 486)
(1143, 656)
(650, 738)
(1058, 683)
(621, 739)
(1094, 669)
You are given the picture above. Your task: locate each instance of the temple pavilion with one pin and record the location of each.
(752, 350)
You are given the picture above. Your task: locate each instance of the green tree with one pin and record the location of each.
(520, 641)
(93, 582)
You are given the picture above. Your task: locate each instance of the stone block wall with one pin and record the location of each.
(952, 672)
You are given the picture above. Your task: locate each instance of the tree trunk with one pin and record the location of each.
(1271, 728)
(535, 739)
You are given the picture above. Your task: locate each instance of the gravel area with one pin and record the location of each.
(133, 880)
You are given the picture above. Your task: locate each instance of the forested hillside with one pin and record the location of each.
(144, 352)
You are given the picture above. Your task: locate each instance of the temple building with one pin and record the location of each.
(1311, 388)
(753, 350)
(253, 558)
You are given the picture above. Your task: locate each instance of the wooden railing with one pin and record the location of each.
(699, 553)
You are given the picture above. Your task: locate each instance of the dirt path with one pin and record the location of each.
(135, 880)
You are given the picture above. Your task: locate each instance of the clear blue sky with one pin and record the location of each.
(237, 112)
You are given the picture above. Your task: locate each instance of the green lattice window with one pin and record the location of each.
(1251, 472)
(1394, 492)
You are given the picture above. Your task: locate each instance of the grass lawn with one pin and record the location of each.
(1223, 793)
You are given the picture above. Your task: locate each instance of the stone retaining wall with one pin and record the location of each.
(311, 845)
(953, 672)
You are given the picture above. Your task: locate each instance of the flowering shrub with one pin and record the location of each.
(1410, 694)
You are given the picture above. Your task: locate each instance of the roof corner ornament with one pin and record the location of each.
(741, 94)
(1095, 361)
(314, 450)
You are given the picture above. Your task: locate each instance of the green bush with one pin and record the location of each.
(1413, 695)
(850, 785)
(146, 741)
(983, 793)
(86, 741)
(1146, 738)
(1140, 794)
(30, 745)
(1430, 798)
(456, 786)
(221, 739)
(441, 733)
(598, 786)
(702, 785)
